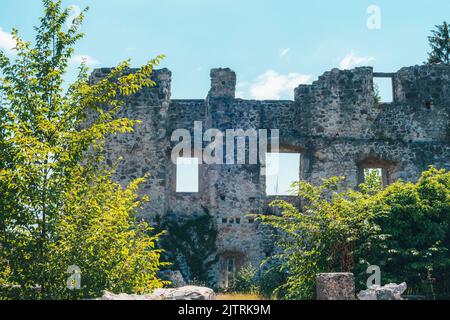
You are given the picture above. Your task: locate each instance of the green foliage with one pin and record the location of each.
(97, 233)
(404, 229)
(373, 181)
(59, 206)
(321, 237)
(272, 277)
(5, 272)
(263, 281)
(376, 94)
(191, 245)
(415, 223)
(247, 280)
(440, 45)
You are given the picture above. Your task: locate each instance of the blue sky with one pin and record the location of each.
(272, 45)
(281, 171)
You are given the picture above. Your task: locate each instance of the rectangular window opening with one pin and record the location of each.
(383, 89)
(187, 175)
(282, 169)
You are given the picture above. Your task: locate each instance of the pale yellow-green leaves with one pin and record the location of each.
(59, 204)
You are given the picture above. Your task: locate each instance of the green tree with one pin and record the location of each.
(440, 45)
(58, 204)
(325, 236)
(404, 229)
(415, 219)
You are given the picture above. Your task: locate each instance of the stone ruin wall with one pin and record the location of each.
(334, 123)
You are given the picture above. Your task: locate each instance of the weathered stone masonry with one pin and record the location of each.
(334, 123)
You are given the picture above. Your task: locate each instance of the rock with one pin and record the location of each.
(397, 288)
(390, 291)
(123, 296)
(335, 286)
(368, 294)
(385, 294)
(183, 293)
(186, 293)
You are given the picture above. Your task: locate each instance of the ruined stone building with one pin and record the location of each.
(334, 124)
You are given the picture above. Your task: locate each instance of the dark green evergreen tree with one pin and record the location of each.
(440, 45)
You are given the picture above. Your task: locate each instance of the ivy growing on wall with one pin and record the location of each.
(190, 244)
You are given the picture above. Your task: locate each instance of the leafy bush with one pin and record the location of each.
(261, 282)
(415, 242)
(272, 276)
(321, 237)
(404, 229)
(247, 281)
(190, 244)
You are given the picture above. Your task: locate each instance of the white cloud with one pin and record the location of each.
(272, 85)
(352, 60)
(78, 59)
(284, 52)
(7, 42)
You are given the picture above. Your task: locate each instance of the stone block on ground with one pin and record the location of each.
(335, 286)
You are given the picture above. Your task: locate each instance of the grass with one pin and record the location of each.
(238, 296)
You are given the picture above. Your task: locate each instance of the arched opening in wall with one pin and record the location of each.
(232, 263)
(381, 168)
(281, 169)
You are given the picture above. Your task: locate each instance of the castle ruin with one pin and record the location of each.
(334, 124)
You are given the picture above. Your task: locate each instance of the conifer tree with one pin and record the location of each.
(440, 45)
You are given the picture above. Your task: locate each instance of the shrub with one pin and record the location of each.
(247, 281)
(323, 236)
(404, 229)
(272, 277)
(415, 224)
(190, 244)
